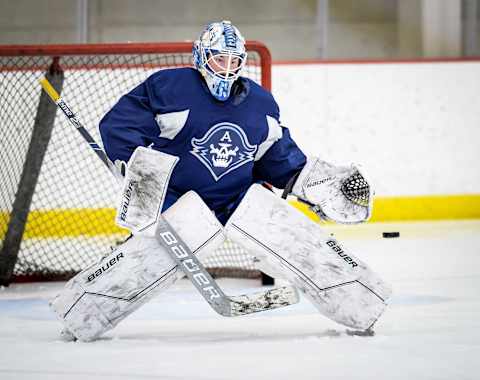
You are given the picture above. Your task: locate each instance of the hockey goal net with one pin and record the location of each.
(56, 198)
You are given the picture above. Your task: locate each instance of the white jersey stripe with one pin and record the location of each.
(274, 134)
(171, 123)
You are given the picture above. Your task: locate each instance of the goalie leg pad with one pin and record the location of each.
(341, 286)
(101, 296)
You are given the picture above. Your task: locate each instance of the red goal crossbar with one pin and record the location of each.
(132, 48)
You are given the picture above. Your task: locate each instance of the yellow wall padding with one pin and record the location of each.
(93, 222)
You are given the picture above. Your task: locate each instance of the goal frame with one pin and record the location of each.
(8, 255)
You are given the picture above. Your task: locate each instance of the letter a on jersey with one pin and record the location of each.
(223, 148)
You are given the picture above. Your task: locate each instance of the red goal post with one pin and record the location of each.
(56, 199)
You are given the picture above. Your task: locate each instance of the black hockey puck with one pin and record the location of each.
(267, 280)
(390, 234)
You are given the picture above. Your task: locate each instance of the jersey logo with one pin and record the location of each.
(224, 148)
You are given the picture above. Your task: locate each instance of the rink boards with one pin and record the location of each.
(413, 126)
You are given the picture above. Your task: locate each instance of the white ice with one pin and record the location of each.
(431, 329)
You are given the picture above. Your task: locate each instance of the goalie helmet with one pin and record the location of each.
(219, 54)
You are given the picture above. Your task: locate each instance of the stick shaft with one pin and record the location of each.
(72, 118)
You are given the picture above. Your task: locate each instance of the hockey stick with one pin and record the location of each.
(228, 306)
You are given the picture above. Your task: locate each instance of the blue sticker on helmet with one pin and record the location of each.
(230, 36)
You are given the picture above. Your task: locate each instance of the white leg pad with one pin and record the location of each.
(287, 242)
(99, 297)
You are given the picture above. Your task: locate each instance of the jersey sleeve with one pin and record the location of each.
(280, 162)
(129, 124)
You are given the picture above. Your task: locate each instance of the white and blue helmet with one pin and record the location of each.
(219, 54)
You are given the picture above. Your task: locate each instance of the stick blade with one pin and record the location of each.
(262, 301)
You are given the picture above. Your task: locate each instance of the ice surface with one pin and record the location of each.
(431, 329)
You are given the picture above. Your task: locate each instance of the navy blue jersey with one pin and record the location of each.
(223, 147)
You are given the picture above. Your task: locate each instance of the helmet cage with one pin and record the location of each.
(224, 65)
